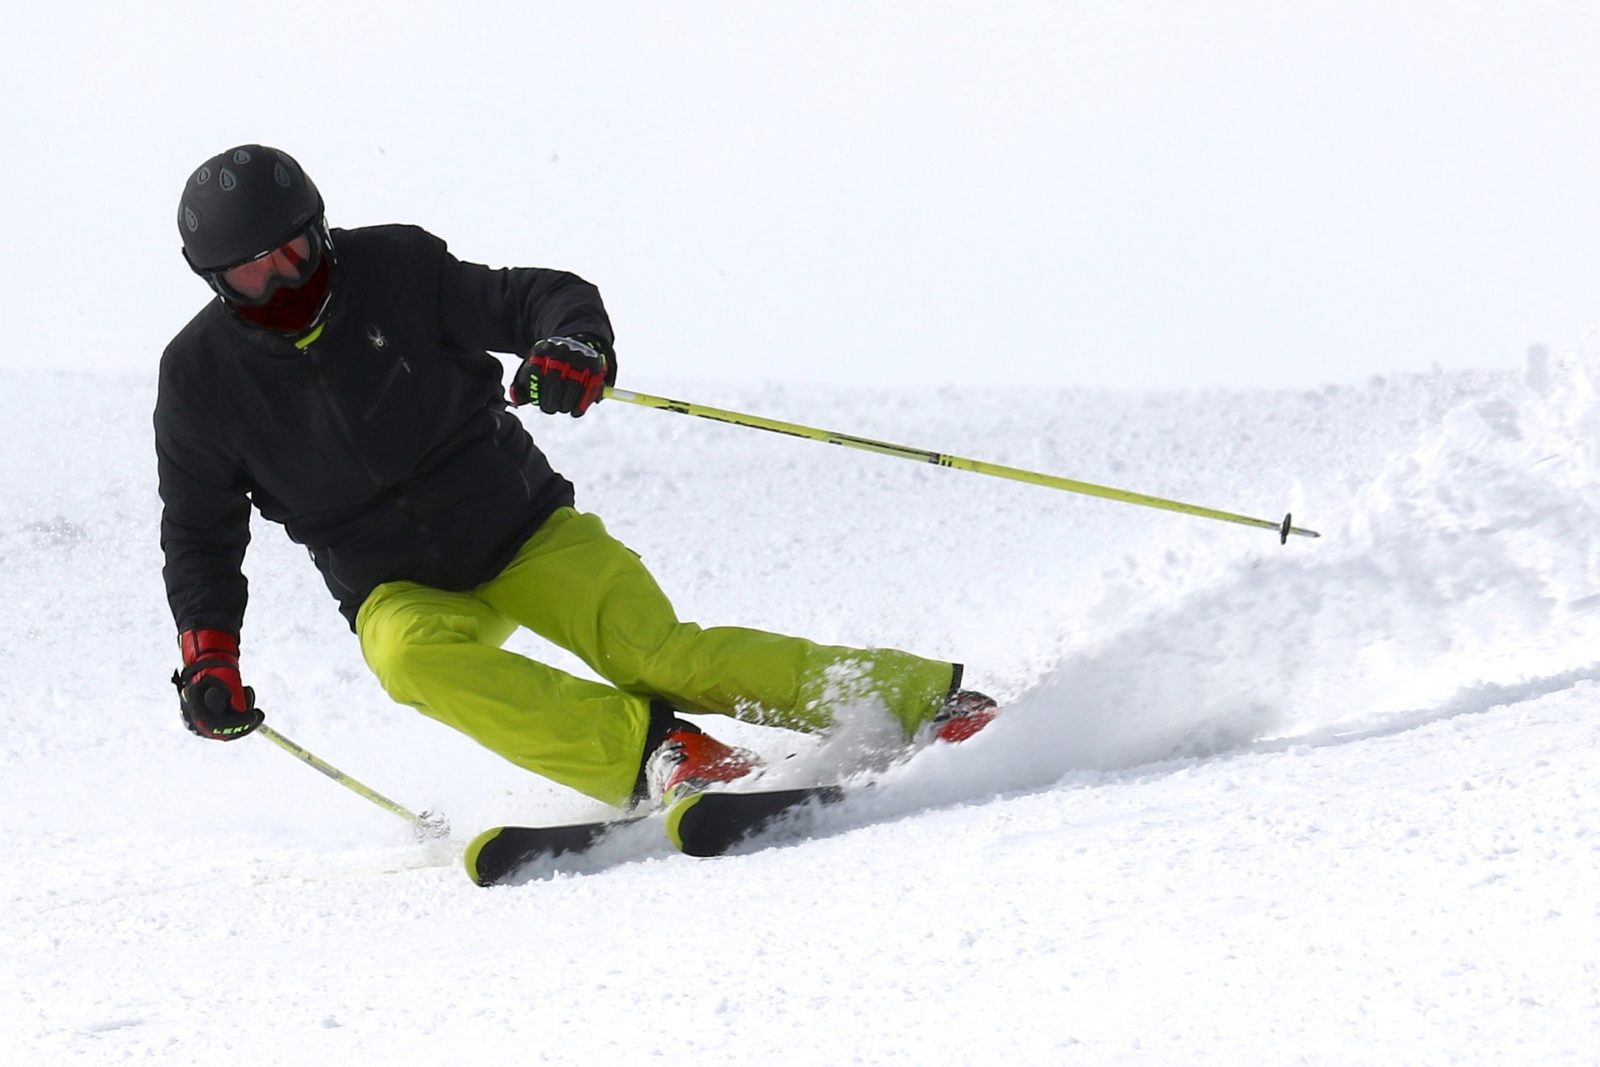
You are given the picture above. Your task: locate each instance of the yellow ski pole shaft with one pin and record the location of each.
(428, 824)
(922, 455)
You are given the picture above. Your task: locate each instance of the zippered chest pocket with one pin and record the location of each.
(400, 365)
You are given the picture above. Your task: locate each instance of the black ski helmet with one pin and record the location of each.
(242, 202)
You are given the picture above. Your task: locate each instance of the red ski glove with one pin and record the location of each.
(211, 699)
(563, 374)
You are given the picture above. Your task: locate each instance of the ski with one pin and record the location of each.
(497, 854)
(705, 824)
(702, 824)
(709, 824)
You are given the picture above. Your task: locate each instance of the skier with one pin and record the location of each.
(341, 383)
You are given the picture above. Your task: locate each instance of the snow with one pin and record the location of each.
(1330, 802)
(1327, 802)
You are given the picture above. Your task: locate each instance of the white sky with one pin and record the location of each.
(937, 193)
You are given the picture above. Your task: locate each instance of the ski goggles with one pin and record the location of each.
(253, 282)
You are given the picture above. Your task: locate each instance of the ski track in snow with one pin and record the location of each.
(1329, 802)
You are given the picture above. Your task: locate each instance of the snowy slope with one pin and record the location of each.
(1330, 802)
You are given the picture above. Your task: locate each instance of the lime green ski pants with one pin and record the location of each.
(577, 587)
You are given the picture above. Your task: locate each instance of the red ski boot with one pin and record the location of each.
(689, 760)
(963, 714)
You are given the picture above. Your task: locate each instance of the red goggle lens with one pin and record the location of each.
(291, 263)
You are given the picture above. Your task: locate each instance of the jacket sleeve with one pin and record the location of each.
(205, 516)
(507, 310)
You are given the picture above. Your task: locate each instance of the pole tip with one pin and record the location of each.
(431, 825)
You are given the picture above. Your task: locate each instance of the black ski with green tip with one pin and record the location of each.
(709, 824)
(705, 824)
(496, 855)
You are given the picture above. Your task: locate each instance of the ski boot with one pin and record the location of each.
(963, 714)
(688, 760)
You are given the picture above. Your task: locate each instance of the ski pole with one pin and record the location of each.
(921, 455)
(428, 824)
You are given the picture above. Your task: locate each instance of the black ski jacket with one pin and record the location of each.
(384, 446)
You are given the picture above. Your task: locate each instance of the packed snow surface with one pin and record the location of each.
(1325, 802)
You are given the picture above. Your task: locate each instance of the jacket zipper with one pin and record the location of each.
(383, 390)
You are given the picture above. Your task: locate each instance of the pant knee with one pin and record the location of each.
(647, 662)
(403, 649)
